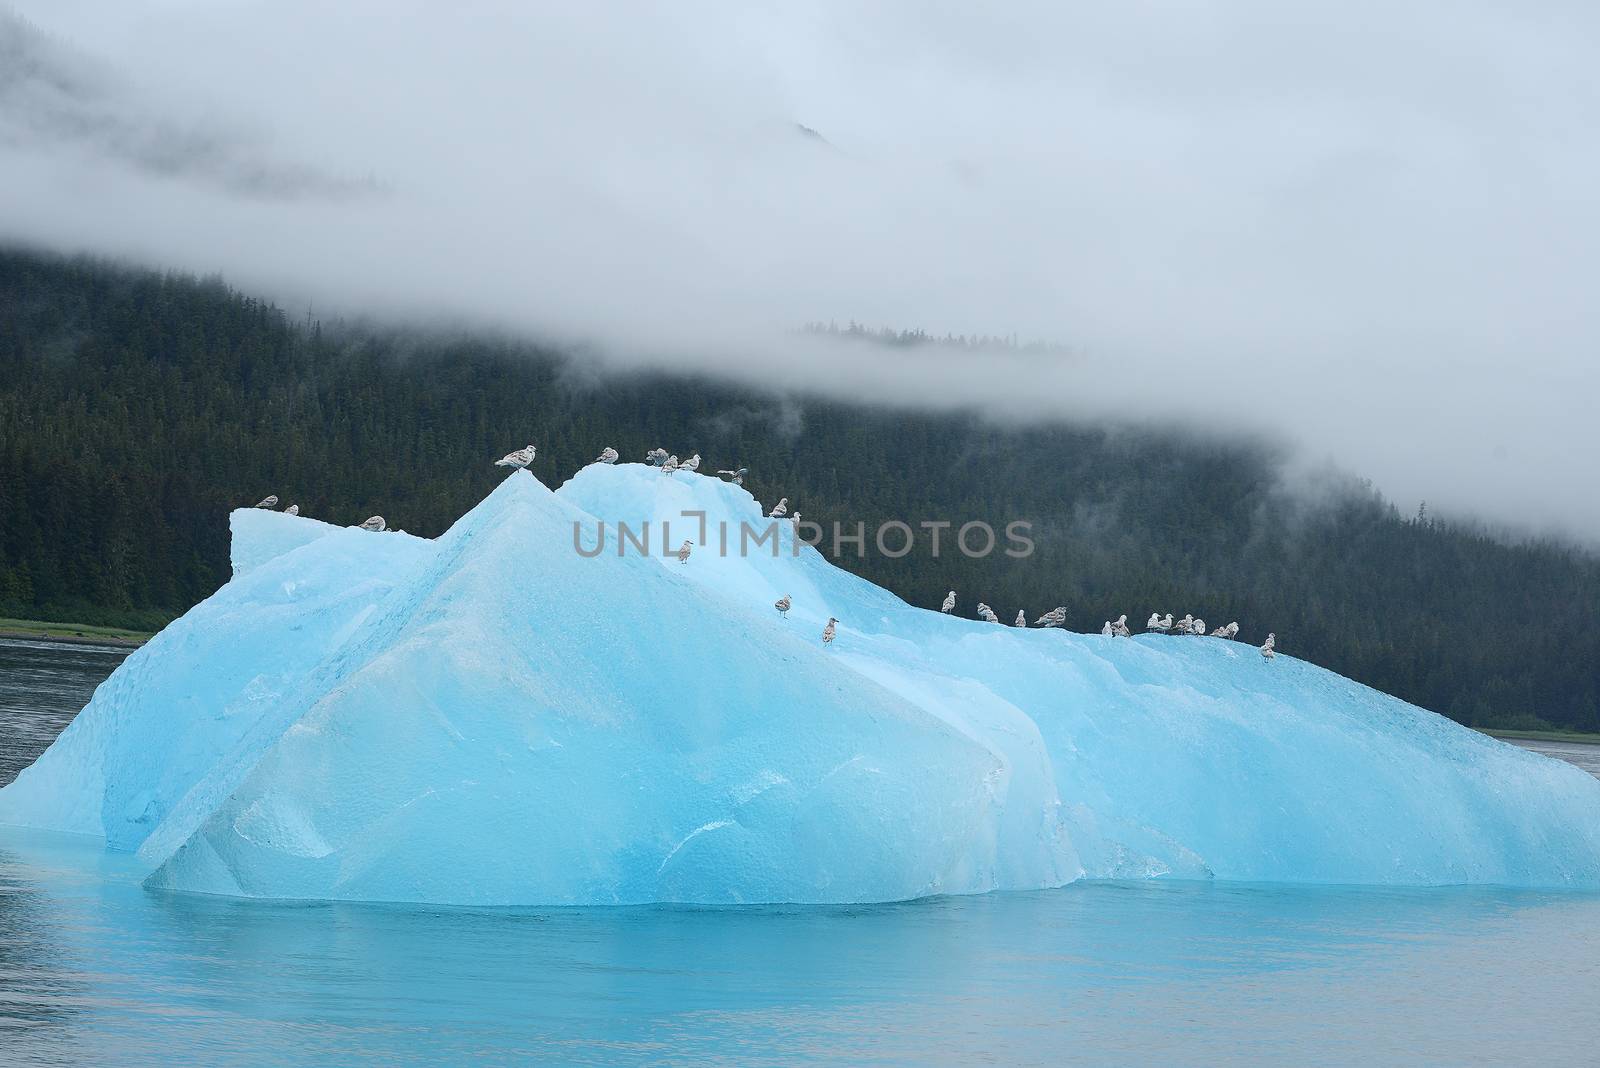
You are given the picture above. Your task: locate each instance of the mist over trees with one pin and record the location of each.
(138, 408)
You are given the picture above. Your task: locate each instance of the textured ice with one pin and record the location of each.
(494, 718)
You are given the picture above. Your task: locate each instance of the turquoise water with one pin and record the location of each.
(96, 970)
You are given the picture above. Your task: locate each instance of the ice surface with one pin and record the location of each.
(495, 718)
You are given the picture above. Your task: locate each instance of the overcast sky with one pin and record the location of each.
(1370, 228)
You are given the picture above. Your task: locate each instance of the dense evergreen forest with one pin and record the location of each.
(137, 408)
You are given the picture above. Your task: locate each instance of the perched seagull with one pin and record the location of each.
(1165, 625)
(670, 465)
(1198, 627)
(795, 519)
(987, 613)
(1120, 627)
(1022, 619)
(293, 509)
(1270, 644)
(1233, 631)
(656, 457)
(736, 477)
(519, 459)
(780, 509)
(608, 455)
(1185, 625)
(949, 603)
(782, 605)
(270, 501)
(691, 465)
(683, 552)
(1105, 629)
(375, 524)
(1154, 622)
(1226, 632)
(1053, 618)
(828, 631)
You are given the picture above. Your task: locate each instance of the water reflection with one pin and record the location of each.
(1189, 971)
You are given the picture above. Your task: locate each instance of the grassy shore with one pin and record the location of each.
(70, 632)
(1579, 737)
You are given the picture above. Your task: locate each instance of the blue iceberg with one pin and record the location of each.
(529, 710)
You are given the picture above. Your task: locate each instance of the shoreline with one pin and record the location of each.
(1570, 737)
(71, 633)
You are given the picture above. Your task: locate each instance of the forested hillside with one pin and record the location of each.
(137, 408)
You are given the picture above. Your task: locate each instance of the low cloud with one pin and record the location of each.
(1370, 231)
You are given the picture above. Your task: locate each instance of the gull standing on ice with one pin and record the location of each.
(1269, 645)
(608, 455)
(683, 552)
(692, 464)
(736, 477)
(1053, 618)
(375, 524)
(782, 605)
(519, 459)
(1185, 625)
(1105, 629)
(1154, 622)
(987, 613)
(270, 501)
(656, 457)
(949, 603)
(1226, 632)
(1022, 619)
(779, 510)
(1198, 627)
(293, 509)
(1164, 626)
(1120, 627)
(670, 465)
(828, 631)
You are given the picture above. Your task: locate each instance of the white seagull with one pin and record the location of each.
(1185, 625)
(949, 603)
(293, 509)
(375, 524)
(1053, 618)
(780, 509)
(736, 477)
(270, 501)
(1120, 627)
(1270, 644)
(656, 457)
(1154, 622)
(683, 552)
(1105, 629)
(1022, 619)
(608, 455)
(670, 464)
(1226, 632)
(1198, 627)
(519, 459)
(782, 605)
(1165, 625)
(691, 465)
(987, 613)
(828, 631)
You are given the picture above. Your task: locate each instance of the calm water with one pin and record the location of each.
(95, 970)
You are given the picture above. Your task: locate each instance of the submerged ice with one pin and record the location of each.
(496, 717)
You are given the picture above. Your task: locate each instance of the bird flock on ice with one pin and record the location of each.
(669, 464)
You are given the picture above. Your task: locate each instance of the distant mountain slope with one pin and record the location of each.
(137, 408)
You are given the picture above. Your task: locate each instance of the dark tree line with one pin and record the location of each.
(137, 409)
